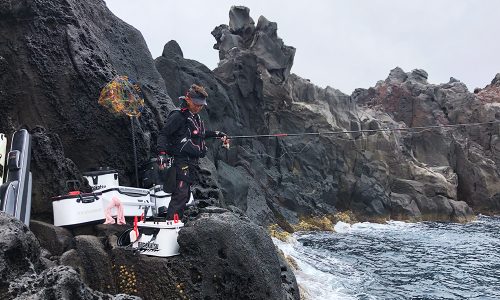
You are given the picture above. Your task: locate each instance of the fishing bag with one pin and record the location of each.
(151, 175)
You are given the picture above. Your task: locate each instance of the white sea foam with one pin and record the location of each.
(322, 276)
(342, 227)
(389, 225)
(313, 283)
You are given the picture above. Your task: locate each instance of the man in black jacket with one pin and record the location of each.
(183, 137)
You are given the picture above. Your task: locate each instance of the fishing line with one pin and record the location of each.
(363, 130)
(261, 155)
(410, 130)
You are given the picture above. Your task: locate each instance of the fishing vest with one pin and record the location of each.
(189, 140)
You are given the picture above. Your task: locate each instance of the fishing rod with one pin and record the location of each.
(360, 131)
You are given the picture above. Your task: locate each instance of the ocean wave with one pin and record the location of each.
(399, 260)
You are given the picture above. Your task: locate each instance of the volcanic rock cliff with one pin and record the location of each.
(56, 55)
(467, 156)
(434, 174)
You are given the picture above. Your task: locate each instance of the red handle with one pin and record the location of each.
(176, 218)
(136, 229)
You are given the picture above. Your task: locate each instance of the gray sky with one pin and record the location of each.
(344, 44)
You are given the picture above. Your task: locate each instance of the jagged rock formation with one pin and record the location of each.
(261, 40)
(298, 176)
(377, 175)
(464, 162)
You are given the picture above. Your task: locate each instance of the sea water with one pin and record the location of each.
(399, 260)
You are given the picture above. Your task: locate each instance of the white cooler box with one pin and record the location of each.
(133, 200)
(158, 238)
(102, 179)
(78, 209)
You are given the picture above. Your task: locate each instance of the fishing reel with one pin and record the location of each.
(164, 161)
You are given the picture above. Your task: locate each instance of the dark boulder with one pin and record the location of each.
(72, 259)
(96, 263)
(56, 240)
(19, 251)
(242, 263)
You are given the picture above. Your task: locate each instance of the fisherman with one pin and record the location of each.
(183, 138)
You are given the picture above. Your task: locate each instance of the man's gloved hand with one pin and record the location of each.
(225, 142)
